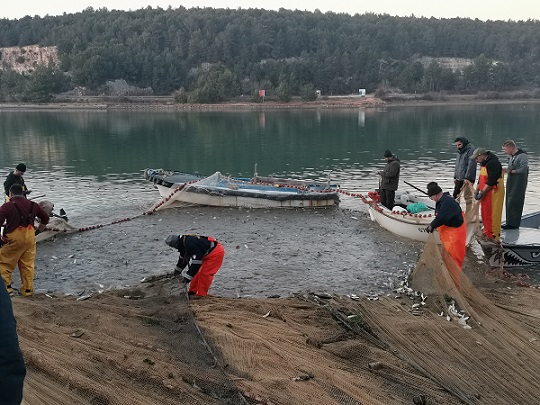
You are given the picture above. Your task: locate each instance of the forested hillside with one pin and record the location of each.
(209, 55)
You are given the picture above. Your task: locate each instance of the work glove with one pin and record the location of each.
(429, 229)
(478, 195)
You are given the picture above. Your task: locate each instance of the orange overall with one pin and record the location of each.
(200, 283)
(454, 241)
(491, 205)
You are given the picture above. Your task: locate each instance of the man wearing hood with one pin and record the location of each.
(516, 183)
(202, 255)
(465, 171)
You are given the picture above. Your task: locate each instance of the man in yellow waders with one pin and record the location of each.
(19, 238)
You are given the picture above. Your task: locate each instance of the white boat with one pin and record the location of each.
(402, 222)
(182, 189)
(519, 247)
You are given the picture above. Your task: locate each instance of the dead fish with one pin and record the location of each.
(77, 334)
(84, 297)
(266, 315)
(304, 377)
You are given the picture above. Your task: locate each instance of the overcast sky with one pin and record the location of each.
(481, 9)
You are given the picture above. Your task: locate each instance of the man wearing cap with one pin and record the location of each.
(517, 173)
(464, 171)
(389, 180)
(490, 191)
(16, 177)
(449, 222)
(202, 255)
(19, 238)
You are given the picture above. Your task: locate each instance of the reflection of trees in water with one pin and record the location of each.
(290, 142)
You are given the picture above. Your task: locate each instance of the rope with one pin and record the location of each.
(182, 186)
(207, 345)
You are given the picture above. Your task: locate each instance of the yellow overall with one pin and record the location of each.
(20, 250)
(491, 206)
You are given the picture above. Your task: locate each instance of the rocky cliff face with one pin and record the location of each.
(25, 59)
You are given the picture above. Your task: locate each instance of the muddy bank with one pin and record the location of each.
(267, 252)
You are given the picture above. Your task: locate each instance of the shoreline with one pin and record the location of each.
(332, 102)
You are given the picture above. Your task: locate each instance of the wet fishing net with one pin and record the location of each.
(495, 339)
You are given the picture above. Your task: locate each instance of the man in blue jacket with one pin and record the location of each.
(12, 368)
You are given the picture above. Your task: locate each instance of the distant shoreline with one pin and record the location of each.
(332, 102)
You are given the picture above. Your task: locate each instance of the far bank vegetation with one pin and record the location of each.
(205, 55)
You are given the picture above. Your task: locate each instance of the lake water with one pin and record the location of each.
(91, 162)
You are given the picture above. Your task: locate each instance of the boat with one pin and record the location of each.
(409, 217)
(400, 221)
(184, 189)
(58, 223)
(518, 247)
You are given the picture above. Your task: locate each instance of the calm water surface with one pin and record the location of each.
(91, 162)
(84, 159)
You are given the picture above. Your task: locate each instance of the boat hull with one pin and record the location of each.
(403, 224)
(223, 191)
(519, 247)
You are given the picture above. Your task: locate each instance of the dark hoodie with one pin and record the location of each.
(465, 168)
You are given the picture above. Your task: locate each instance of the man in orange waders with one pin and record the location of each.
(19, 238)
(202, 255)
(449, 222)
(490, 192)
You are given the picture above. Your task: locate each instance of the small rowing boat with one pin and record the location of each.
(183, 189)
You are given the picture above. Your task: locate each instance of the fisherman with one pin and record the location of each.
(464, 171)
(12, 368)
(490, 192)
(16, 177)
(516, 183)
(389, 180)
(202, 255)
(19, 238)
(449, 222)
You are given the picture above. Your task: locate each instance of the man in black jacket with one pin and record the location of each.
(389, 180)
(16, 177)
(200, 259)
(464, 171)
(449, 222)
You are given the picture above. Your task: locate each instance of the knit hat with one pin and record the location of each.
(478, 151)
(433, 189)
(461, 139)
(21, 167)
(172, 241)
(387, 153)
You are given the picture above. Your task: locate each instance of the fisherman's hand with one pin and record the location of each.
(429, 229)
(478, 195)
(26, 192)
